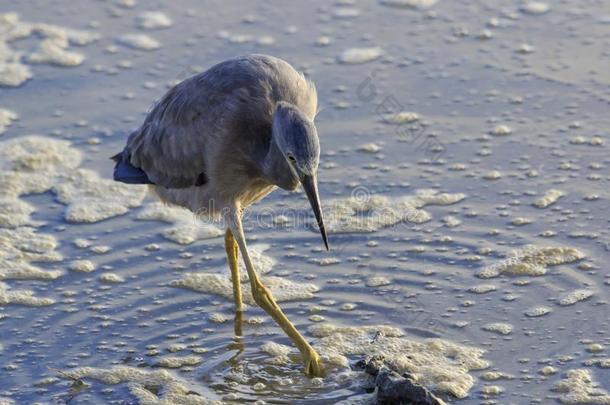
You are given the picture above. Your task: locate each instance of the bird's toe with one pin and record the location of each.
(313, 364)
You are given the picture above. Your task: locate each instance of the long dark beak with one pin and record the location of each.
(310, 185)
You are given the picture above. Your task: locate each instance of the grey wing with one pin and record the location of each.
(170, 145)
(235, 96)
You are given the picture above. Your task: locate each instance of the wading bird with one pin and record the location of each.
(224, 139)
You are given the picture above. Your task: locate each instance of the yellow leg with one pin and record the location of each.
(262, 296)
(232, 256)
(237, 322)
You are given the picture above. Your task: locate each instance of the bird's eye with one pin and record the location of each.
(291, 158)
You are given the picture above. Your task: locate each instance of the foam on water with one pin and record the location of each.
(219, 284)
(82, 266)
(437, 364)
(111, 278)
(549, 198)
(276, 349)
(401, 117)
(6, 119)
(35, 164)
(93, 199)
(501, 130)
(355, 56)
(141, 42)
(535, 7)
(496, 375)
(369, 148)
(186, 227)
(378, 281)
(53, 48)
(19, 247)
(576, 296)
(579, 387)
(169, 388)
(498, 327)
(54, 51)
(178, 361)
(536, 311)
(31, 164)
(22, 297)
(153, 20)
(493, 175)
(373, 212)
(15, 212)
(482, 288)
(217, 317)
(532, 261)
(521, 221)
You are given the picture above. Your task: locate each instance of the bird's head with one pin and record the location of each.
(296, 147)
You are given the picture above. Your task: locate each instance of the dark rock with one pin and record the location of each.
(396, 389)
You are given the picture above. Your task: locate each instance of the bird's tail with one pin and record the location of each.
(125, 172)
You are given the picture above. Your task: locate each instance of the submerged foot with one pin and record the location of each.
(313, 364)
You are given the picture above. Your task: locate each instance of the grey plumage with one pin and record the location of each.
(219, 123)
(222, 140)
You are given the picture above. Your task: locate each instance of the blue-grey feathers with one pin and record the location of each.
(125, 172)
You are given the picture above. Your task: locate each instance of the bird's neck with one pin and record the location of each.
(269, 160)
(275, 169)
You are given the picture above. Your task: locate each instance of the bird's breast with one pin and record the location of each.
(255, 193)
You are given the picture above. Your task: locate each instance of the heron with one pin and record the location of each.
(222, 140)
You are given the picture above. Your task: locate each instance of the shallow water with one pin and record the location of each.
(510, 104)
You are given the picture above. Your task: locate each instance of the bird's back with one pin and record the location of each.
(230, 105)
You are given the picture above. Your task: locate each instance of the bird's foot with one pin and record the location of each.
(313, 363)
